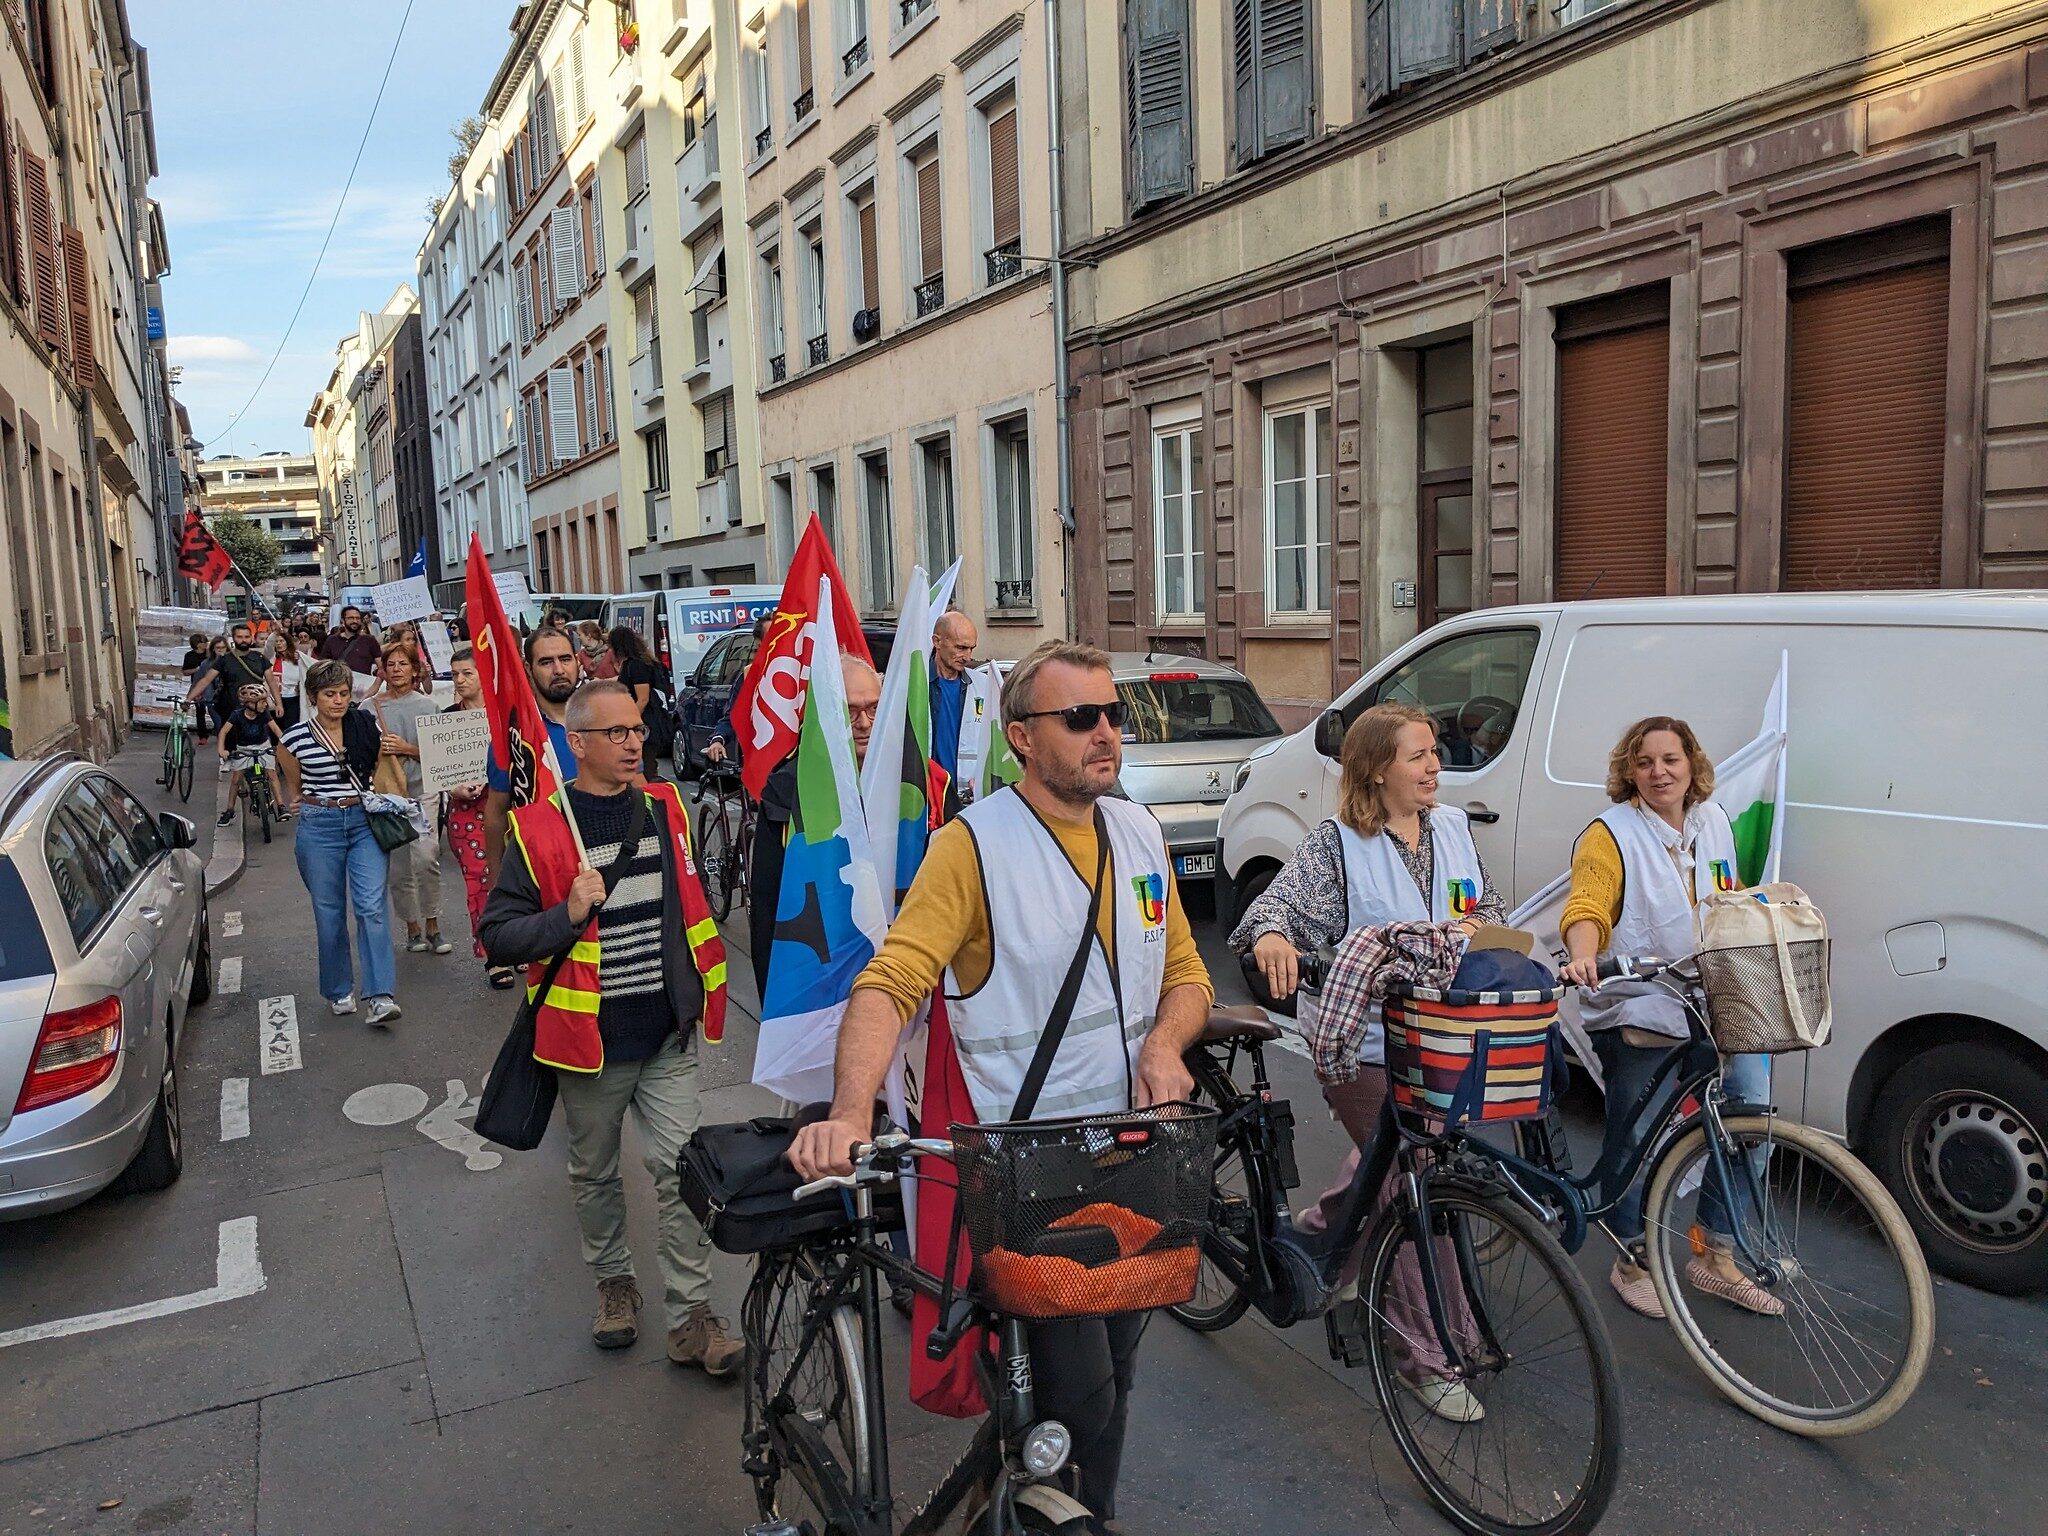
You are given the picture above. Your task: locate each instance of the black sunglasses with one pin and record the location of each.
(1081, 718)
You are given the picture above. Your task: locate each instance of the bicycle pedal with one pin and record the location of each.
(1343, 1325)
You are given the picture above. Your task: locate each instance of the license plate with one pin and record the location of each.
(1195, 864)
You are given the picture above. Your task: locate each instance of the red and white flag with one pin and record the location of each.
(519, 732)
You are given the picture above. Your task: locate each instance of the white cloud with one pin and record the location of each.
(212, 349)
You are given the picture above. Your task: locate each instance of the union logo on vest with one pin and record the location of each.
(1461, 896)
(1724, 874)
(1151, 893)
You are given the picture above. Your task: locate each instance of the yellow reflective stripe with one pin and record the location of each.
(572, 1000)
(699, 932)
(512, 829)
(715, 977)
(584, 949)
(563, 1066)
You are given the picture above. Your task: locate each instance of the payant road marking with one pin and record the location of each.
(234, 1108)
(229, 977)
(237, 1272)
(231, 925)
(277, 1034)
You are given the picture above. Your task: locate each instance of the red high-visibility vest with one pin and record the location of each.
(565, 1033)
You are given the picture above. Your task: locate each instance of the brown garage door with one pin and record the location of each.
(1865, 423)
(1613, 388)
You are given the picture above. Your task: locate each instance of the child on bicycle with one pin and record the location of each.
(247, 736)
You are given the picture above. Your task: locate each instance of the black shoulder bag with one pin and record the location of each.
(519, 1096)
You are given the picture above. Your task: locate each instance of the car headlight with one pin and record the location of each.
(1046, 1448)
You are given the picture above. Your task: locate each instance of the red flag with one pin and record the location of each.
(769, 705)
(949, 1386)
(519, 732)
(200, 554)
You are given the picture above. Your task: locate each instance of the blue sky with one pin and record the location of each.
(259, 104)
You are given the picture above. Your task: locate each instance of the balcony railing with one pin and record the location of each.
(778, 368)
(644, 370)
(1014, 594)
(818, 350)
(802, 106)
(763, 142)
(700, 334)
(1005, 261)
(930, 294)
(697, 170)
(854, 57)
(658, 515)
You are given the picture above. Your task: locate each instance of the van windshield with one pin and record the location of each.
(1181, 707)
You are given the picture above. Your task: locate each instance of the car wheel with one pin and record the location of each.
(202, 964)
(1961, 1138)
(162, 1157)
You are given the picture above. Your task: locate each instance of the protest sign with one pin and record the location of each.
(454, 749)
(406, 598)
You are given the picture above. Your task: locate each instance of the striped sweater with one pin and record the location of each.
(633, 1013)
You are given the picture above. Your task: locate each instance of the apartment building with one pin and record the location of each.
(550, 98)
(681, 306)
(339, 423)
(472, 381)
(898, 196)
(280, 493)
(1393, 310)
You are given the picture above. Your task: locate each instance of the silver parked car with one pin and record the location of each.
(103, 946)
(1189, 724)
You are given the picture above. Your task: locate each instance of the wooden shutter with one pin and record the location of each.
(577, 99)
(803, 46)
(558, 99)
(1407, 41)
(519, 438)
(562, 413)
(1489, 24)
(1286, 93)
(1866, 428)
(78, 294)
(563, 238)
(1156, 99)
(870, 268)
(592, 426)
(1244, 75)
(1002, 177)
(930, 236)
(609, 421)
(636, 166)
(42, 247)
(1613, 426)
(522, 296)
(10, 213)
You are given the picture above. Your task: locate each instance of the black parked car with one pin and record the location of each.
(707, 694)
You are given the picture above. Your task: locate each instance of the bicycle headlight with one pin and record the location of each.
(1047, 1447)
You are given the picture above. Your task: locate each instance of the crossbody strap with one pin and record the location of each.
(1070, 989)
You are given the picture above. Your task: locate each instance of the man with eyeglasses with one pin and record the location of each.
(620, 1017)
(997, 917)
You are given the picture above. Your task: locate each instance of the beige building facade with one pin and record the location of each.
(897, 196)
(1391, 311)
(279, 493)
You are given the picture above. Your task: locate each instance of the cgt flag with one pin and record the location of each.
(200, 555)
(519, 734)
(768, 709)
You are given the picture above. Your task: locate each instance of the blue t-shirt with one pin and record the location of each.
(497, 778)
(949, 700)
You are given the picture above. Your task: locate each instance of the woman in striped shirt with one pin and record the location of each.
(327, 760)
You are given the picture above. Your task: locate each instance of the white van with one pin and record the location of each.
(1917, 817)
(696, 616)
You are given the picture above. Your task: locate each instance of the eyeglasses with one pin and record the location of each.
(617, 735)
(1081, 718)
(863, 711)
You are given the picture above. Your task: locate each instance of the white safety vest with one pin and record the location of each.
(1665, 873)
(1379, 890)
(1037, 903)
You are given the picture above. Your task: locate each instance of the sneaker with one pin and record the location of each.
(344, 1004)
(703, 1340)
(416, 945)
(617, 1323)
(227, 818)
(1638, 1292)
(383, 1010)
(1451, 1401)
(439, 944)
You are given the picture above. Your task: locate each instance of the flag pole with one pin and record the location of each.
(568, 814)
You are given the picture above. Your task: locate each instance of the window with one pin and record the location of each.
(760, 111)
(92, 861)
(127, 812)
(17, 541)
(1271, 71)
(825, 502)
(1298, 511)
(1183, 706)
(1160, 133)
(938, 536)
(1471, 685)
(863, 264)
(1613, 393)
(928, 277)
(782, 510)
(1180, 581)
(771, 317)
(1411, 41)
(655, 441)
(636, 166)
(877, 534)
(806, 99)
(1013, 561)
(717, 422)
(852, 36)
(811, 294)
(1443, 390)
(1003, 243)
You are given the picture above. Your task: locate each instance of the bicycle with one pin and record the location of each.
(725, 838)
(259, 800)
(815, 1436)
(178, 751)
(1502, 1312)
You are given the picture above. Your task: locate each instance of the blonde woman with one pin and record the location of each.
(1639, 873)
(415, 868)
(1391, 854)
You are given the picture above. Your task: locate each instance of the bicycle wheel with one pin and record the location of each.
(804, 1373)
(714, 859)
(1857, 1321)
(265, 811)
(1533, 1443)
(185, 756)
(1219, 1300)
(167, 772)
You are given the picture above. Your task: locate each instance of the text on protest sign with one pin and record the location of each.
(454, 750)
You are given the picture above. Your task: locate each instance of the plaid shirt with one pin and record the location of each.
(1368, 961)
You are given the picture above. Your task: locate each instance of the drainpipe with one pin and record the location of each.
(1062, 385)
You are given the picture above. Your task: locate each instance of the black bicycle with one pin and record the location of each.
(726, 820)
(816, 1437)
(1487, 1355)
(259, 796)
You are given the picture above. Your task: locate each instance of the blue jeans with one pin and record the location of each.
(1628, 1069)
(344, 868)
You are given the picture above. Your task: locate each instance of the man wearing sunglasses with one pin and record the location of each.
(996, 920)
(620, 1016)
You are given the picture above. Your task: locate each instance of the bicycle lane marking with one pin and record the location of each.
(228, 978)
(277, 1034)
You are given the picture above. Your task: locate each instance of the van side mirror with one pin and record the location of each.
(1330, 733)
(176, 830)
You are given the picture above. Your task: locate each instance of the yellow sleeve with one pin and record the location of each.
(1184, 965)
(943, 922)
(1596, 883)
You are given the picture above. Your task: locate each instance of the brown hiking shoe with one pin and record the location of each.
(617, 1323)
(703, 1340)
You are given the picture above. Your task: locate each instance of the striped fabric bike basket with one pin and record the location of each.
(1455, 1058)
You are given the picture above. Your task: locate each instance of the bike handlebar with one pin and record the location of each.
(893, 1145)
(1632, 967)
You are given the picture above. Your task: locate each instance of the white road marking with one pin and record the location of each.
(277, 1034)
(229, 976)
(395, 1103)
(234, 1108)
(237, 1271)
(231, 925)
(385, 1104)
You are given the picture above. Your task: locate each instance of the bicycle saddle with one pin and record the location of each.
(1239, 1023)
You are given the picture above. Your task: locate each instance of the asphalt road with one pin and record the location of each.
(409, 1351)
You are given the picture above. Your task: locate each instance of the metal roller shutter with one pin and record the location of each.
(1613, 423)
(1865, 426)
